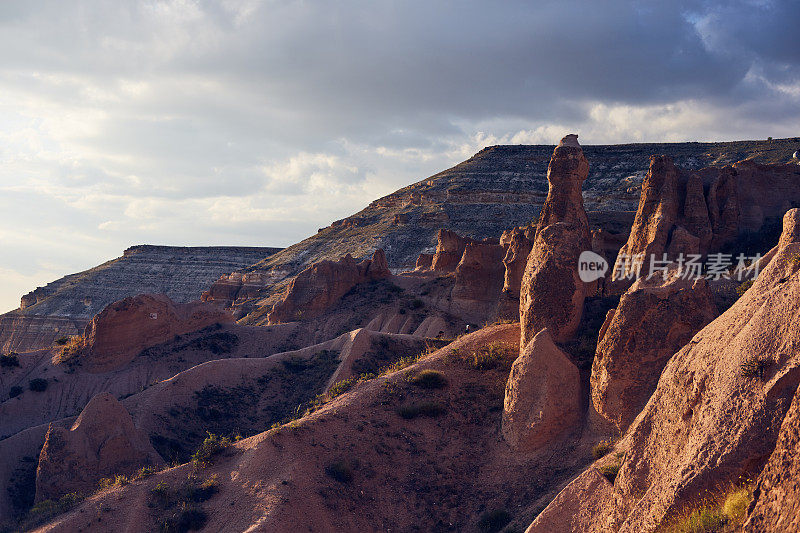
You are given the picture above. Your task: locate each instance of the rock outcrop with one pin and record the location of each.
(321, 285)
(701, 211)
(718, 407)
(654, 319)
(479, 274)
(116, 335)
(519, 243)
(552, 292)
(543, 398)
(102, 442)
(776, 505)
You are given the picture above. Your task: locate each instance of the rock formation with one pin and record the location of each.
(543, 399)
(552, 292)
(777, 495)
(321, 285)
(653, 320)
(102, 442)
(479, 274)
(116, 335)
(518, 242)
(718, 407)
(701, 211)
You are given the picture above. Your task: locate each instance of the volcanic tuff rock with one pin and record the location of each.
(102, 442)
(543, 395)
(123, 329)
(63, 307)
(552, 292)
(701, 211)
(321, 285)
(498, 188)
(653, 320)
(777, 494)
(717, 409)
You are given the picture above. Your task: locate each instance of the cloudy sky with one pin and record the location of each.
(256, 122)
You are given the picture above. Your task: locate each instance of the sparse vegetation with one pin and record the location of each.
(429, 379)
(491, 356)
(48, 509)
(494, 521)
(37, 385)
(610, 470)
(9, 360)
(211, 446)
(601, 449)
(741, 289)
(754, 367)
(183, 512)
(61, 341)
(70, 349)
(723, 511)
(414, 410)
(15, 391)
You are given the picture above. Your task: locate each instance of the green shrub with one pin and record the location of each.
(46, 510)
(341, 471)
(494, 521)
(9, 360)
(37, 385)
(741, 289)
(69, 350)
(610, 471)
(187, 518)
(203, 491)
(414, 410)
(429, 379)
(754, 367)
(211, 446)
(491, 356)
(15, 391)
(601, 449)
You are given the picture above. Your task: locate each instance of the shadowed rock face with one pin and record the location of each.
(320, 286)
(122, 330)
(542, 400)
(552, 292)
(654, 320)
(777, 494)
(701, 211)
(102, 442)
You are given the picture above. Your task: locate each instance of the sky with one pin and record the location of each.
(257, 122)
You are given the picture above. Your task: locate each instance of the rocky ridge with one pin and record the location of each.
(65, 306)
(498, 188)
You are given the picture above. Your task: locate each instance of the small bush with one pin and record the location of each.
(741, 289)
(15, 391)
(754, 367)
(48, 509)
(736, 504)
(37, 385)
(187, 518)
(429, 409)
(9, 360)
(430, 379)
(610, 471)
(494, 521)
(601, 449)
(69, 350)
(491, 356)
(203, 491)
(61, 341)
(341, 471)
(211, 446)
(702, 520)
